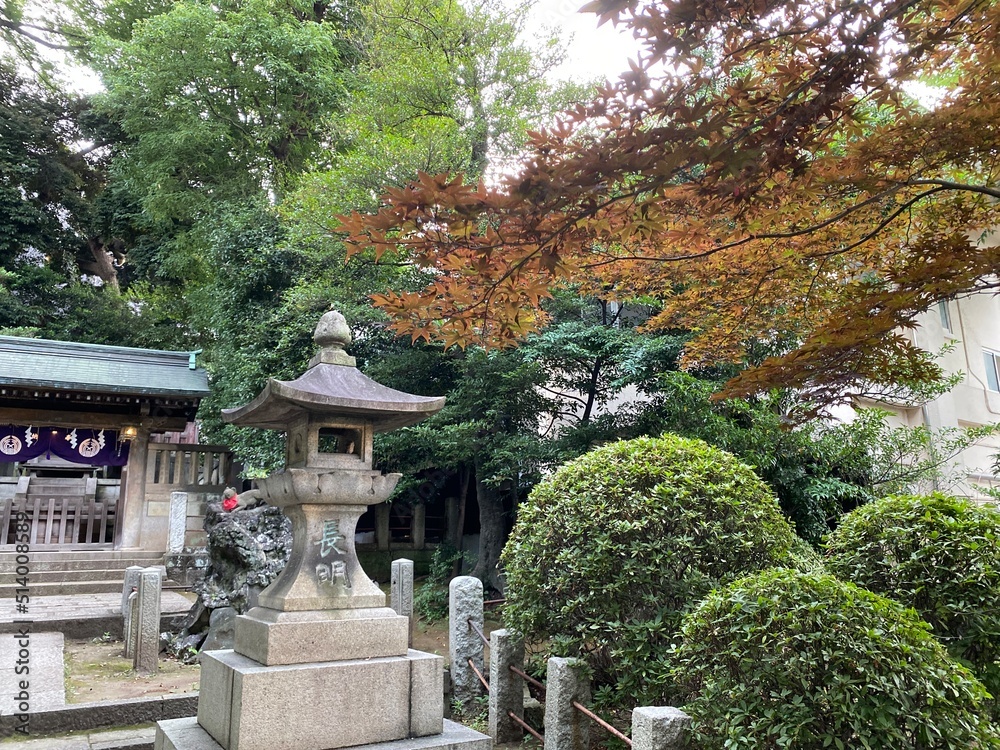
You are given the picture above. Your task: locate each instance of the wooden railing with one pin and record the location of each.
(190, 468)
(61, 513)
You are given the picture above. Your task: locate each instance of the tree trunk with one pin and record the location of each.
(491, 535)
(463, 501)
(103, 265)
(595, 375)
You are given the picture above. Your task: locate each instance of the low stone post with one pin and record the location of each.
(566, 728)
(401, 590)
(465, 604)
(131, 584)
(129, 587)
(147, 647)
(177, 526)
(659, 728)
(506, 688)
(131, 628)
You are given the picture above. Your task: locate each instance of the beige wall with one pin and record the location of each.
(975, 326)
(202, 471)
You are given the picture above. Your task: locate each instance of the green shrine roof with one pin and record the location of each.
(39, 363)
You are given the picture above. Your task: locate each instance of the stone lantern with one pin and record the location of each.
(322, 663)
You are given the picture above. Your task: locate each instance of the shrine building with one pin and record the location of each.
(93, 440)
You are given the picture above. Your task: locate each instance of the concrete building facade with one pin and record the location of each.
(967, 333)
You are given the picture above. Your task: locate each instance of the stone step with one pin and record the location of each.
(74, 565)
(56, 481)
(54, 576)
(46, 669)
(92, 741)
(64, 588)
(74, 503)
(84, 555)
(8, 565)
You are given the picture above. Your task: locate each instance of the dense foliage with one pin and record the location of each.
(486, 436)
(58, 270)
(791, 660)
(762, 171)
(939, 555)
(611, 550)
(817, 470)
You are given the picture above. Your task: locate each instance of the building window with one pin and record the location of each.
(992, 361)
(945, 315)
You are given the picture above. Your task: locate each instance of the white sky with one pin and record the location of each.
(592, 52)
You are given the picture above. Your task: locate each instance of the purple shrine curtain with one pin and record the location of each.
(81, 446)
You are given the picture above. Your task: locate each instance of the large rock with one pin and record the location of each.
(221, 630)
(247, 550)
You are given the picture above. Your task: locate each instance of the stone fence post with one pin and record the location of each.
(177, 524)
(506, 688)
(131, 627)
(146, 622)
(659, 728)
(129, 586)
(566, 728)
(401, 591)
(465, 604)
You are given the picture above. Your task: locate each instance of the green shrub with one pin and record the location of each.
(939, 555)
(611, 550)
(786, 659)
(803, 557)
(430, 602)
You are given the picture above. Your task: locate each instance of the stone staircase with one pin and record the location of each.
(59, 573)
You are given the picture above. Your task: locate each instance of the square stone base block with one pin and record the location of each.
(187, 734)
(245, 705)
(273, 637)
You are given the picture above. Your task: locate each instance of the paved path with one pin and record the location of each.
(42, 609)
(136, 738)
(35, 660)
(46, 679)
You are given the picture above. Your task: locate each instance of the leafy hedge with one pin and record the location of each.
(610, 551)
(786, 659)
(939, 555)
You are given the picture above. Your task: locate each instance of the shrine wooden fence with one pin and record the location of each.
(62, 512)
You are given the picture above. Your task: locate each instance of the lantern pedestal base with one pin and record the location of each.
(245, 705)
(272, 637)
(187, 734)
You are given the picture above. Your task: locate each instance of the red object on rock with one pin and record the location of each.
(230, 503)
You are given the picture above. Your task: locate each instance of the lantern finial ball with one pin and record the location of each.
(332, 330)
(332, 335)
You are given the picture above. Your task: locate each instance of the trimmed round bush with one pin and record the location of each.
(786, 659)
(610, 551)
(939, 555)
(803, 557)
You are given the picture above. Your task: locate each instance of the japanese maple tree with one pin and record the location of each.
(763, 172)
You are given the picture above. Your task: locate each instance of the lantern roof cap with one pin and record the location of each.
(331, 387)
